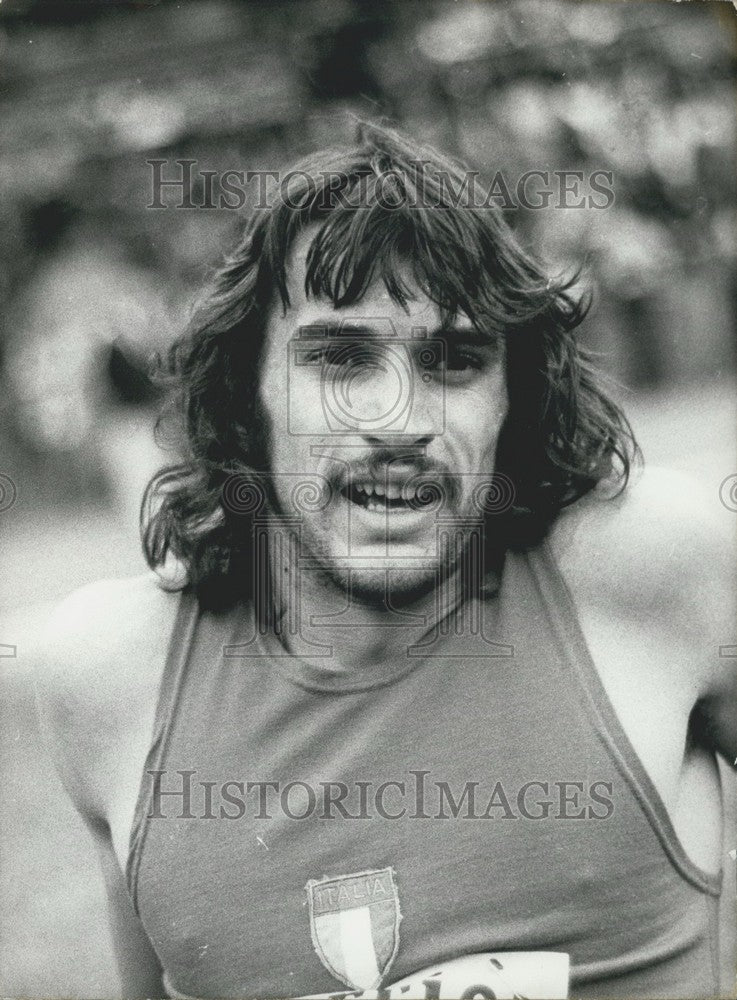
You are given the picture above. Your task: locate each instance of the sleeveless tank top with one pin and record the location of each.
(301, 830)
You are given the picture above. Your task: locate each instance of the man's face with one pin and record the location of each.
(394, 418)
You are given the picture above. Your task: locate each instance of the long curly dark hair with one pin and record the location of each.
(384, 202)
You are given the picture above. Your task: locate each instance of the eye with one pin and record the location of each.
(460, 359)
(460, 362)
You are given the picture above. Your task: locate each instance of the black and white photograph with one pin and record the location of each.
(368, 499)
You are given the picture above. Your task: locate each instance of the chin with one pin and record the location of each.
(369, 586)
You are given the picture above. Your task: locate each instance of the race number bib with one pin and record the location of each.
(504, 975)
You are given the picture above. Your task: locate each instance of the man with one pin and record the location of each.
(428, 700)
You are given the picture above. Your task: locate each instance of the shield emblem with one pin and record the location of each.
(354, 922)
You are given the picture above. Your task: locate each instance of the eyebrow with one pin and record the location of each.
(329, 328)
(321, 329)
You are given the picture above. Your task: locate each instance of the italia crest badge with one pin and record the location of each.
(354, 922)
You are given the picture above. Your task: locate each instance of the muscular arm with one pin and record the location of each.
(97, 674)
(138, 969)
(715, 718)
(659, 560)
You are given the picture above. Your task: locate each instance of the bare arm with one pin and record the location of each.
(139, 971)
(662, 557)
(97, 672)
(715, 718)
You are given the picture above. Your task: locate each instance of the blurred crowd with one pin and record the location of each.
(93, 280)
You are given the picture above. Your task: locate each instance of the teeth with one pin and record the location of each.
(390, 490)
(378, 494)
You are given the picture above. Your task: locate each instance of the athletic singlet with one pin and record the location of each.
(304, 831)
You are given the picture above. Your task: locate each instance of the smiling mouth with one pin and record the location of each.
(383, 499)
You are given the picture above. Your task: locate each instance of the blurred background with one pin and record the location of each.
(92, 280)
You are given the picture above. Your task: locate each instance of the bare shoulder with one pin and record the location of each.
(664, 533)
(97, 668)
(660, 550)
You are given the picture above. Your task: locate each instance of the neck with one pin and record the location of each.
(313, 610)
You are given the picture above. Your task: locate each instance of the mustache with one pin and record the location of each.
(430, 479)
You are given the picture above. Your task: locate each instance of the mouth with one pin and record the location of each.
(386, 497)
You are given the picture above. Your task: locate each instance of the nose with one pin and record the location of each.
(405, 441)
